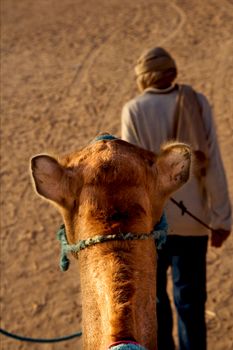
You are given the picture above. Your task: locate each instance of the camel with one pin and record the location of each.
(112, 187)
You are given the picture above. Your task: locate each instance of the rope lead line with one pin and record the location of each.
(185, 210)
(36, 340)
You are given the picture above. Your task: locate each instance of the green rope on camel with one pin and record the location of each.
(159, 234)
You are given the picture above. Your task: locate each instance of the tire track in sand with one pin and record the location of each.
(182, 21)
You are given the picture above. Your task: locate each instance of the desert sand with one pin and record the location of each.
(66, 71)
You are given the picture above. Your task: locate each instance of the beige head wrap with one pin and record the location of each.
(154, 60)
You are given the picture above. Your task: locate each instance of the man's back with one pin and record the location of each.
(149, 120)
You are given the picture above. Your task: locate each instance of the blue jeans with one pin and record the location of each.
(187, 258)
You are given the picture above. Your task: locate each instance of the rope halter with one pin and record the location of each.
(159, 234)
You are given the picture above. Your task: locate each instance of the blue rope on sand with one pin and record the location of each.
(39, 340)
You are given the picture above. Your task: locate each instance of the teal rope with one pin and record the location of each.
(61, 236)
(159, 234)
(104, 137)
(125, 346)
(39, 340)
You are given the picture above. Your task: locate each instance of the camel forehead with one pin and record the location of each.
(110, 158)
(104, 151)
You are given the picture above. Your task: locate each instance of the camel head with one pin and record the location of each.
(108, 187)
(98, 182)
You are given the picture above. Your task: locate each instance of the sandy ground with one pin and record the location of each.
(67, 69)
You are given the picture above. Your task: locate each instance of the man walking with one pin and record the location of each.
(166, 111)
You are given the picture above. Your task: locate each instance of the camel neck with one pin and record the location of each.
(122, 274)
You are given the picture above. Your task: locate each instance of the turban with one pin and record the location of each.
(154, 60)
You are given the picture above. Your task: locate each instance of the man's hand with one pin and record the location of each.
(218, 237)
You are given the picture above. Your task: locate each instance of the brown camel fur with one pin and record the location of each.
(108, 187)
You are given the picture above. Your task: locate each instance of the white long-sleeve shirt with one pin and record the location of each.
(148, 121)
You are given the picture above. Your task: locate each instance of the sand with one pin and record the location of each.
(66, 71)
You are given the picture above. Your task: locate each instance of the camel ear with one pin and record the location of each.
(47, 174)
(173, 166)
